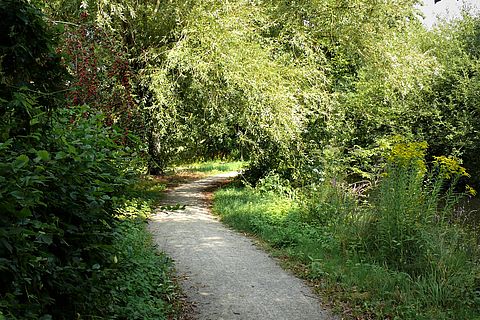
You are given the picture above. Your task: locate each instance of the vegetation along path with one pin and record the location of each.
(222, 272)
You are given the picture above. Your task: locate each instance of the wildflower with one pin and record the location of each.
(449, 167)
(410, 155)
(470, 191)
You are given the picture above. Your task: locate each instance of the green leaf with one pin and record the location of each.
(72, 149)
(45, 238)
(34, 121)
(60, 155)
(5, 145)
(7, 245)
(21, 161)
(24, 213)
(17, 194)
(43, 155)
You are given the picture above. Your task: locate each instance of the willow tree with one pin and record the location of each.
(344, 39)
(227, 88)
(294, 86)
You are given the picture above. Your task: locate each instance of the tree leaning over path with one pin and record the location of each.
(92, 92)
(297, 88)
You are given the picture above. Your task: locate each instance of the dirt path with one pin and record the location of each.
(223, 273)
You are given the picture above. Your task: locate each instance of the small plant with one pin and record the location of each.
(274, 183)
(328, 203)
(139, 283)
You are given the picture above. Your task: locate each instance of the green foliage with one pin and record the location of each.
(266, 214)
(27, 55)
(56, 225)
(306, 89)
(30, 73)
(313, 93)
(404, 214)
(60, 170)
(418, 84)
(399, 252)
(59, 235)
(328, 203)
(455, 91)
(139, 284)
(236, 99)
(274, 183)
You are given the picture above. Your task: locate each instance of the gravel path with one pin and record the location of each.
(223, 273)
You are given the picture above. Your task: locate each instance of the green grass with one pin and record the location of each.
(211, 167)
(318, 242)
(140, 281)
(142, 285)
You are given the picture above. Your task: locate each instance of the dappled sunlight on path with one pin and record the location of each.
(223, 273)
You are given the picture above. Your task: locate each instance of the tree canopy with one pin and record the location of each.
(94, 92)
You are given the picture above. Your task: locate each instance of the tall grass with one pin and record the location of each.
(409, 229)
(400, 255)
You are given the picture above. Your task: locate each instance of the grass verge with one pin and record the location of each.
(326, 251)
(140, 283)
(210, 167)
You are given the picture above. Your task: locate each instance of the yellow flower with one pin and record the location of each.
(470, 191)
(449, 167)
(411, 155)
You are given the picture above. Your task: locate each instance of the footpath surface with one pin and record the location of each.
(223, 274)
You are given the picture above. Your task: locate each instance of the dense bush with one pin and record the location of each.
(57, 221)
(60, 170)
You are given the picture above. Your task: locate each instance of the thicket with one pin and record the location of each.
(312, 92)
(304, 89)
(64, 251)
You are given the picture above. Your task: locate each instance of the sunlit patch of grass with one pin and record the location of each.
(316, 251)
(141, 198)
(211, 167)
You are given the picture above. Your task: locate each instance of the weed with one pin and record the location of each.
(139, 282)
(399, 256)
(142, 286)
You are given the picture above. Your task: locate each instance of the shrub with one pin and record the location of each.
(57, 221)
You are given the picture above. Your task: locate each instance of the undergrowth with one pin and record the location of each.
(398, 253)
(142, 285)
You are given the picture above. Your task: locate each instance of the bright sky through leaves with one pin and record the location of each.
(448, 9)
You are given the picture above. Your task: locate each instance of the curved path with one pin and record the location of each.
(223, 273)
